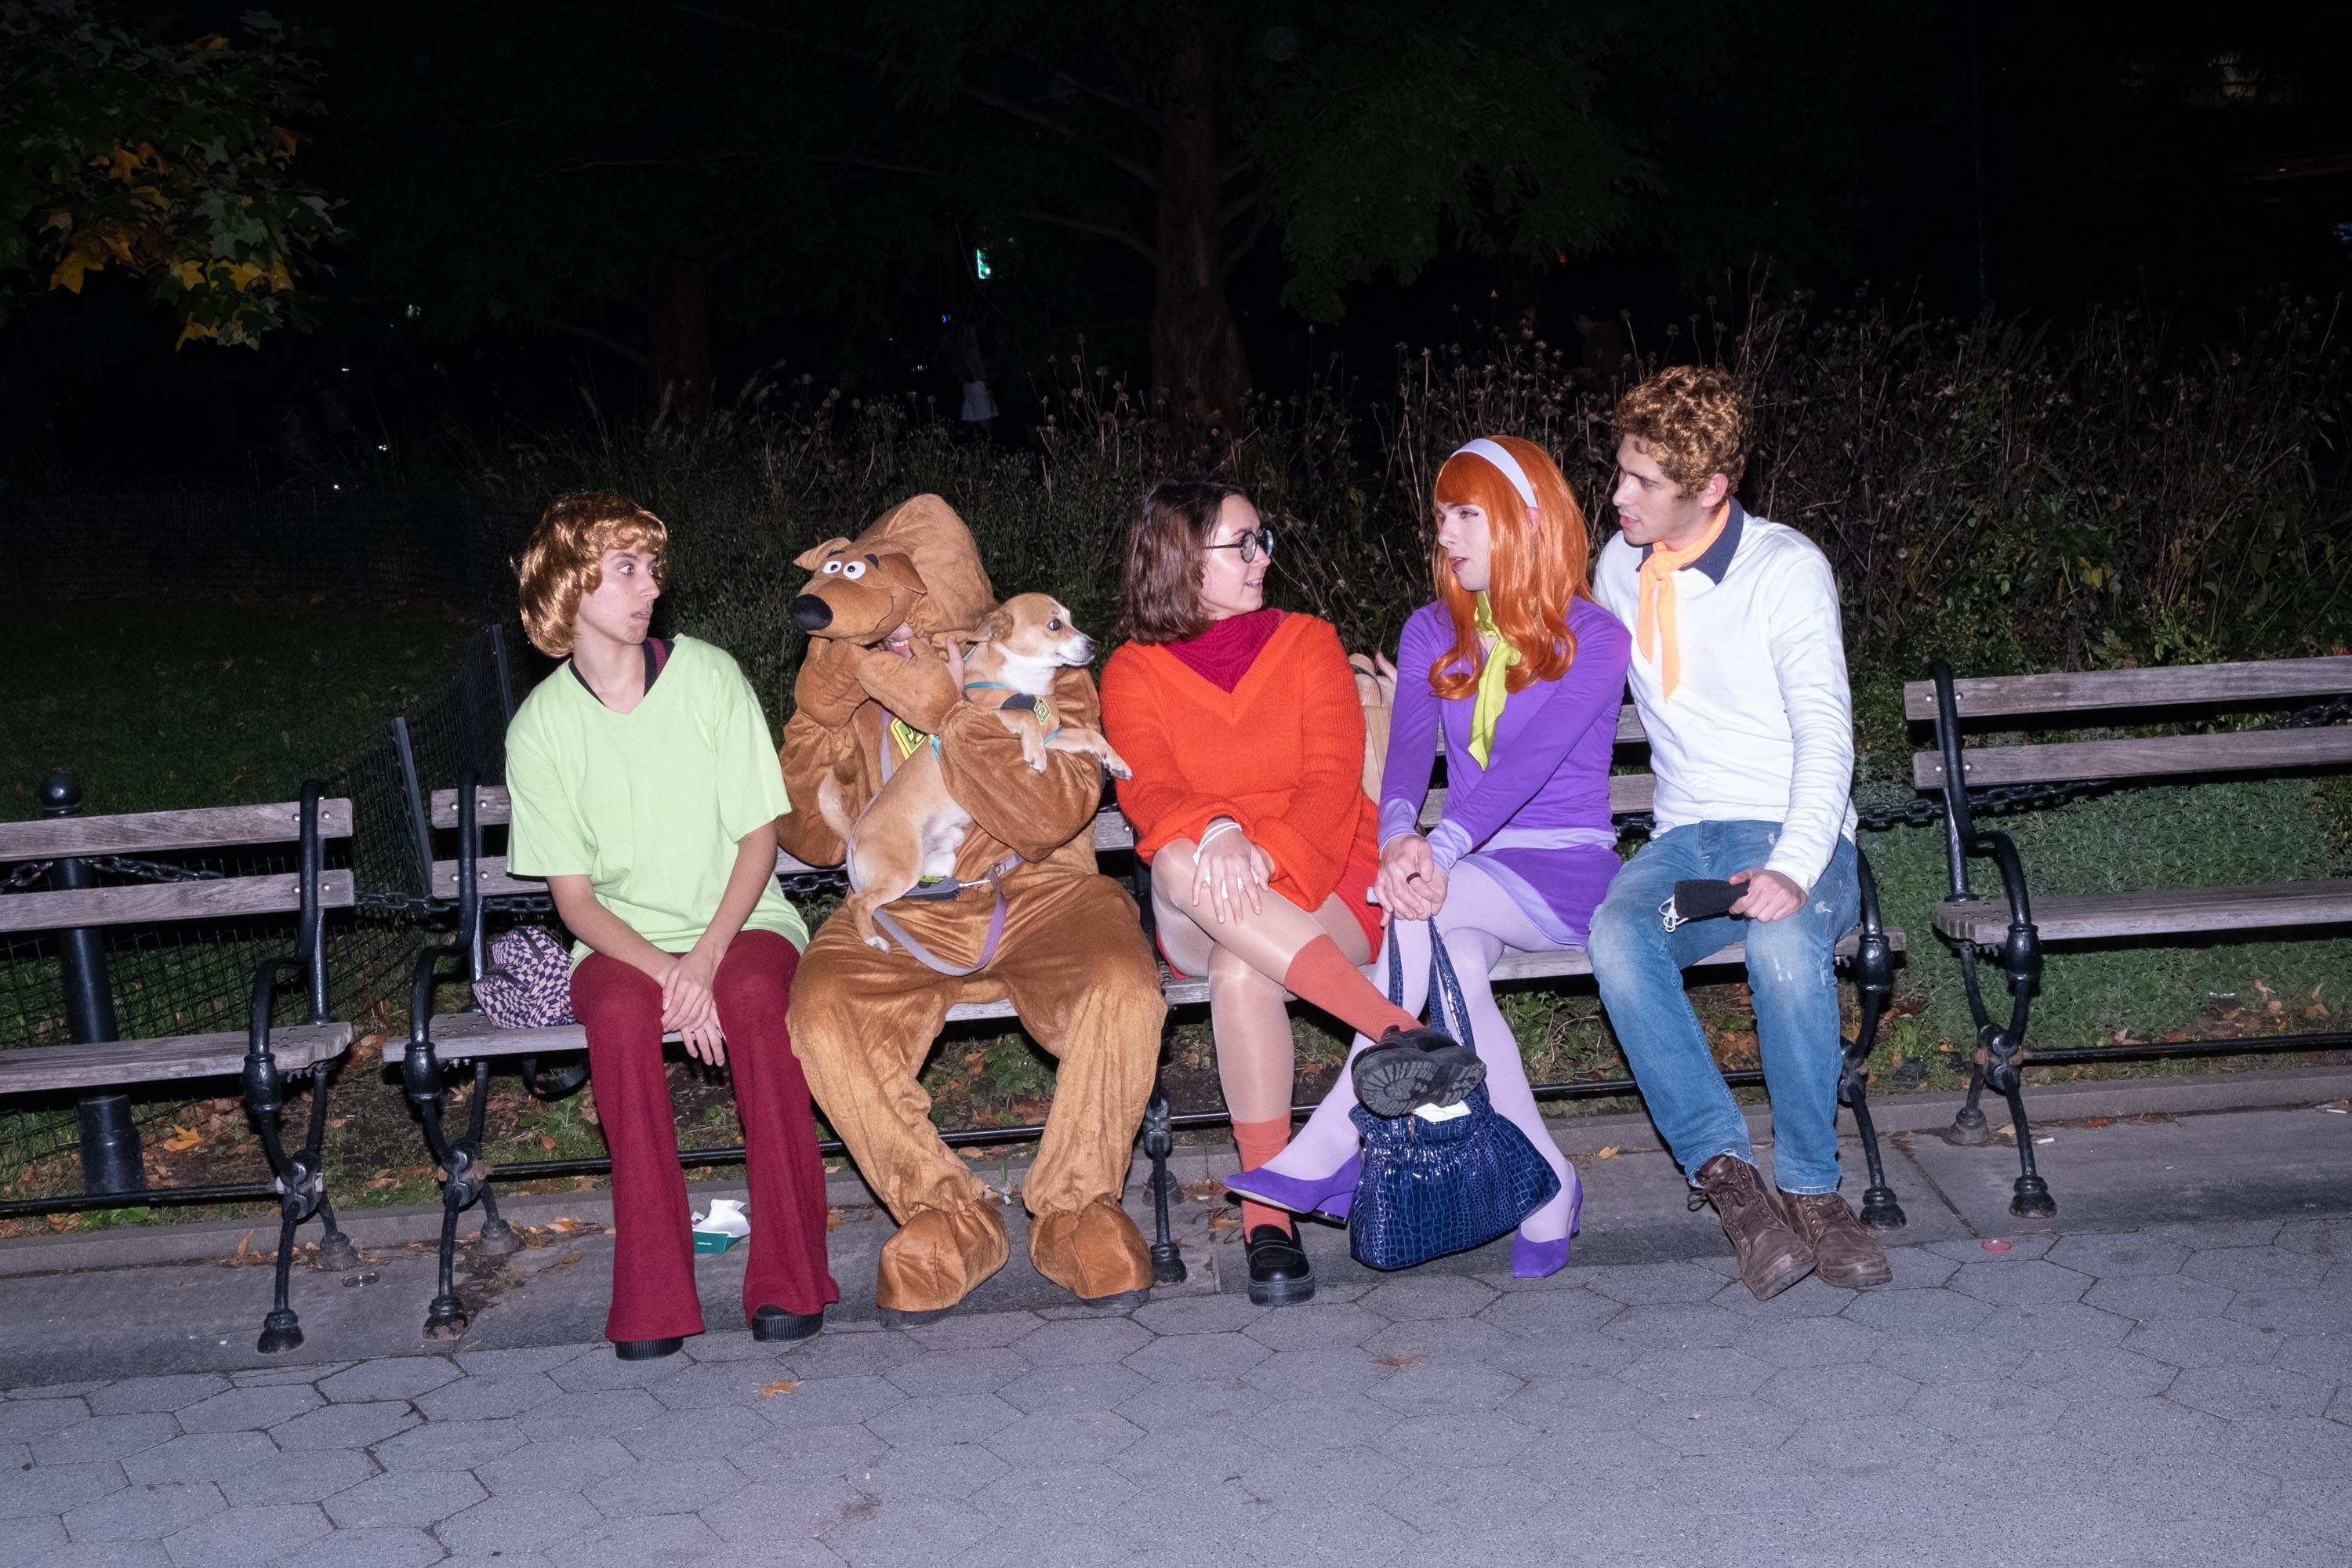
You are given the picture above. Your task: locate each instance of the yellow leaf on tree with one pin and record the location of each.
(241, 276)
(189, 274)
(193, 329)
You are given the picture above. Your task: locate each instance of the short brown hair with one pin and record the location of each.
(1691, 421)
(1160, 591)
(565, 559)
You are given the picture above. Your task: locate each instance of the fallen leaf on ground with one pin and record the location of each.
(1396, 1360)
(1609, 1153)
(564, 1262)
(1223, 1220)
(781, 1385)
(183, 1138)
(568, 1227)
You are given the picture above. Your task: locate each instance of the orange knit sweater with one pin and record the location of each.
(1282, 754)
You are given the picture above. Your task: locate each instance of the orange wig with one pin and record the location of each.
(1537, 571)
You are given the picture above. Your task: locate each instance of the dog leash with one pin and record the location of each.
(923, 955)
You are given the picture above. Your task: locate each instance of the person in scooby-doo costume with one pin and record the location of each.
(1034, 922)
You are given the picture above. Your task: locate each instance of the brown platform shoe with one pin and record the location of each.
(1848, 1256)
(936, 1259)
(1772, 1256)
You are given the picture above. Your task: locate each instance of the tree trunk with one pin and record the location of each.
(677, 332)
(1199, 370)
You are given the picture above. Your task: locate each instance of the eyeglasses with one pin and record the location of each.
(1252, 544)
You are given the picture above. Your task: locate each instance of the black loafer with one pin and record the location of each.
(775, 1323)
(1279, 1273)
(1413, 1068)
(648, 1349)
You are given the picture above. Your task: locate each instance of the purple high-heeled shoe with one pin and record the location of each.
(1542, 1259)
(1331, 1197)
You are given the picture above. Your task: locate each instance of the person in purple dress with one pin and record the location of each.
(1520, 675)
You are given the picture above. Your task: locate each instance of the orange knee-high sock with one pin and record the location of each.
(1258, 1142)
(1320, 974)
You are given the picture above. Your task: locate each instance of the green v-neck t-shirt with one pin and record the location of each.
(650, 805)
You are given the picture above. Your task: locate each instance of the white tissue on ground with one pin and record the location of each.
(726, 1218)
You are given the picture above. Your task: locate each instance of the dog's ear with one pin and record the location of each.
(997, 625)
(815, 557)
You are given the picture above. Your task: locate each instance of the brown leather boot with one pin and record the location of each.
(1773, 1256)
(1849, 1255)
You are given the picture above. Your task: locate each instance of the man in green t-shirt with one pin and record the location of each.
(643, 790)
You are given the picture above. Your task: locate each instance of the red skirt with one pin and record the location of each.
(1356, 879)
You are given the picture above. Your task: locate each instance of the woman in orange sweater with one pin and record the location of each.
(1246, 738)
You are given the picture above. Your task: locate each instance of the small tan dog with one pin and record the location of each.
(912, 829)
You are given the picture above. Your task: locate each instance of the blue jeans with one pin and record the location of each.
(1639, 964)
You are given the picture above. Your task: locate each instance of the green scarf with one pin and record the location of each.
(1486, 712)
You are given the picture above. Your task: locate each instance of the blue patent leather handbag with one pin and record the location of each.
(1429, 1188)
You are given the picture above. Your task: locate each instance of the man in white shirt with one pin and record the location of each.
(1738, 671)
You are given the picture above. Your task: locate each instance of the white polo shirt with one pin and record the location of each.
(1760, 726)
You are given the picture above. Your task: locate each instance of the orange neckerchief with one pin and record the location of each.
(1657, 610)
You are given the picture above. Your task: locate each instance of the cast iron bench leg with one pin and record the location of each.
(1158, 1142)
(1998, 1049)
(1873, 984)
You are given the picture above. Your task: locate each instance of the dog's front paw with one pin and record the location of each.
(879, 944)
(1117, 768)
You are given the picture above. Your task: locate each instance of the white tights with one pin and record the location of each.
(1480, 921)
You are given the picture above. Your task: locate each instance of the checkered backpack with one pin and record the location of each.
(528, 985)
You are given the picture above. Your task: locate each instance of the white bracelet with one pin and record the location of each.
(1228, 826)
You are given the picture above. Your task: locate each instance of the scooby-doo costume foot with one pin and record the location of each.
(1095, 1253)
(1068, 953)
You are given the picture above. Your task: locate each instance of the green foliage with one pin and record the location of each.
(174, 162)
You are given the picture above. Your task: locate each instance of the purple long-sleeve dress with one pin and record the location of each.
(1537, 821)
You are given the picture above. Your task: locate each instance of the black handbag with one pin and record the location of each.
(1431, 1187)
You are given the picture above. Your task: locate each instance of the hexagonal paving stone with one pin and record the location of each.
(1309, 1532)
(30, 1494)
(1866, 1445)
(1081, 1385)
(975, 1331)
(144, 1512)
(2203, 1341)
(844, 1351)
(1356, 1472)
(1835, 1392)
(1721, 1427)
(906, 1530)
(1674, 1327)
(1062, 1499)
(1182, 1356)
(30, 1540)
(488, 1397)
(1916, 1268)
(2069, 1324)
(1456, 1340)
(1212, 1402)
(829, 1401)
(2122, 1426)
(1429, 1295)
(297, 1477)
(2309, 1450)
(277, 1377)
(639, 1541)
(358, 1425)
(1919, 1311)
(1697, 1373)
(1063, 1438)
(2318, 1237)
(1809, 1341)
(104, 1438)
(1651, 1284)
(2327, 1356)
(508, 1527)
(773, 1516)
(1317, 1325)
(250, 1409)
(1551, 1314)
(790, 1458)
(1585, 1405)
(2010, 1283)
(249, 1534)
(937, 1470)
(1219, 1314)
(2239, 1393)
(2256, 1267)
(388, 1548)
(1439, 1388)
(1948, 1358)
(394, 1377)
(404, 1498)
(449, 1446)
(1084, 1342)
(696, 1435)
(1187, 1457)
(1808, 1298)
(2341, 1407)
(1319, 1421)
(2181, 1489)
(21, 1419)
(524, 1360)
(2197, 1235)
(1290, 1375)
(2096, 1374)
(947, 1418)
(175, 1392)
(591, 1413)
(2324, 1311)
(664, 1486)
(1027, 1545)
(2123, 1255)
(957, 1372)
(1437, 1444)
(566, 1465)
(1964, 1410)
(202, 1456)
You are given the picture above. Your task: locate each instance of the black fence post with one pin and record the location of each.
(110, 1139)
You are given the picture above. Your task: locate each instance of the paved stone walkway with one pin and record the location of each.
(2181, 1395)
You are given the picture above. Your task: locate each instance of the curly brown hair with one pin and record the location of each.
(1160, 591)
(565, 559)
(1691, 420)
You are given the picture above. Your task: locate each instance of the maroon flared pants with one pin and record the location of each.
(653, 1259)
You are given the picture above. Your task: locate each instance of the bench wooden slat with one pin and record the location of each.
(2162, 911)
(109, 1063)
(150, 832)
(147, 902)
(2178, 686)
(469, 1037)
(2147, 757)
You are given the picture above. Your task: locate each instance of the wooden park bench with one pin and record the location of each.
(2205, 705)
(474, 878)
(61, 854)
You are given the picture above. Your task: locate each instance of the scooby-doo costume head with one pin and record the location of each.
(1070, 955)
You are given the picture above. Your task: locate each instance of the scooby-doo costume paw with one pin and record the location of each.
(1095, 1253)
(1071, 957)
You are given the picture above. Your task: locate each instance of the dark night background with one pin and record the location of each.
(544, 198)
